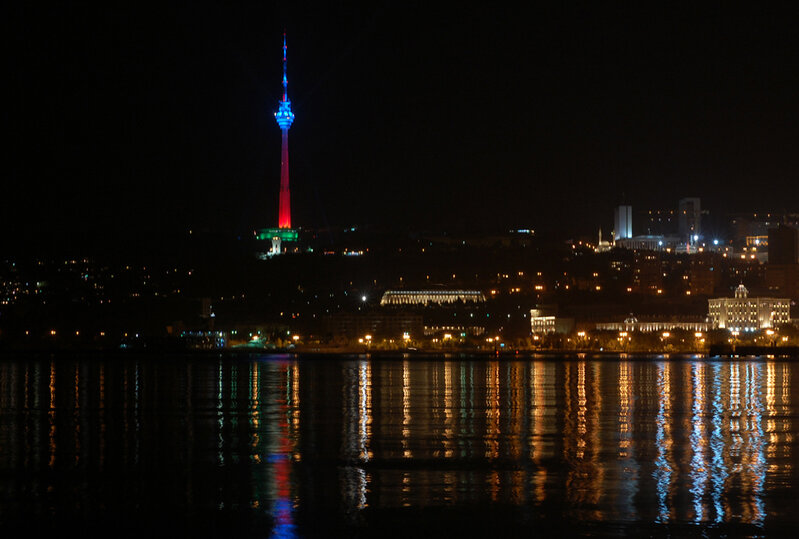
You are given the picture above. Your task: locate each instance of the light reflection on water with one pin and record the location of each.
(279, 443)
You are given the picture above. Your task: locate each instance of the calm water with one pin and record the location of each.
(330, 447)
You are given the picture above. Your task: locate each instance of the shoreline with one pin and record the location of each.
(320, 353)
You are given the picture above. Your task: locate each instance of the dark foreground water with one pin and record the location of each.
(171, 446)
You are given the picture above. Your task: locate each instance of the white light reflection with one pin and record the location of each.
(719, 472)
(364, 410)
(664, 469)
(698, 460)
(628, 466)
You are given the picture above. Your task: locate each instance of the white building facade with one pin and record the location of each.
(423, 297)
(743, 313)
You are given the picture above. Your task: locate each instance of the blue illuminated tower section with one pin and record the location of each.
(284, 118)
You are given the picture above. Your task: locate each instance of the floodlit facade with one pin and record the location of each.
(623, 222)
(743, 313)
(632, 324)
(423, 297)
(542, 324)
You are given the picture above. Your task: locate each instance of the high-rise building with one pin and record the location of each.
(660, 222)
(623, 223)
(689, 219)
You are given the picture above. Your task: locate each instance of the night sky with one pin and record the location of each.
(135, 124)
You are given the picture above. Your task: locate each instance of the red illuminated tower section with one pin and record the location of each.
(284, 118)
(284, 212)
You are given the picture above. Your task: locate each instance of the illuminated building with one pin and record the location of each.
(689, 220)
(623, 222)
(284, 117)
(649, 243)
(632, 323)
(460, 330)
(602, 246)
(660, 222)
(423, 297)
(647, 272)
(743, 313)
(541, 323)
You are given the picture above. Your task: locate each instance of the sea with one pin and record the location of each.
(214, 445)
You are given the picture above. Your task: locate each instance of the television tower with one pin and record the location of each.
(283, 232)
(284, 118)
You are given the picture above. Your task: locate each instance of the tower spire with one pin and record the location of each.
(285, 79)
(284, 116)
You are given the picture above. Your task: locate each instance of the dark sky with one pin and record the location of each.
(135, 123)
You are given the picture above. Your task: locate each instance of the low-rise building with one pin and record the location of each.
(542, 324)
(386, 325)
(632, 324)
(423, 297)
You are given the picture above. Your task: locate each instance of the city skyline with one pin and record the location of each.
(137, 127)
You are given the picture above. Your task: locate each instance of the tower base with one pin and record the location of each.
(277, 236)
